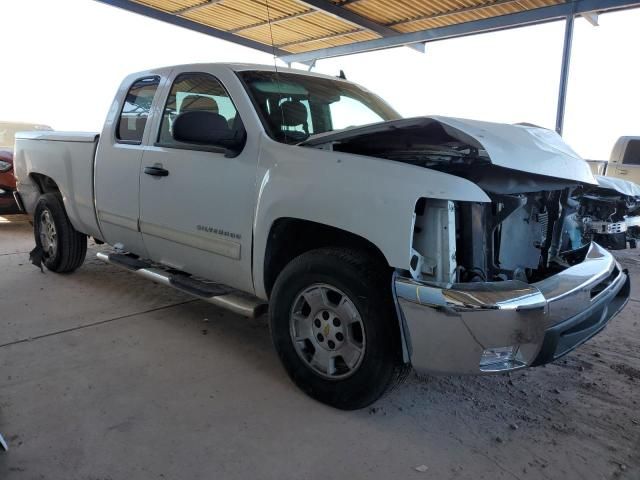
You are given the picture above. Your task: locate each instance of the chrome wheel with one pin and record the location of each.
(327, 331)
(48, 234)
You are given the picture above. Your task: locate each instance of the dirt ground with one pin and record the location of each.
(107, 376)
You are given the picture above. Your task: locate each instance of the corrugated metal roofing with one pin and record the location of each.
(297, 26)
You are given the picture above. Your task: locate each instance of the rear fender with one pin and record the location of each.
(48, 160)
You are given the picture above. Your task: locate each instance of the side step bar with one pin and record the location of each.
(215, 293)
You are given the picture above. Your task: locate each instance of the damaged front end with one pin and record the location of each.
(609, 213)
(529, 173)
(515, 237)
(490, 287)
(502, 285)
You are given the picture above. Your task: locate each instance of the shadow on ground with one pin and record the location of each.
(104, 375)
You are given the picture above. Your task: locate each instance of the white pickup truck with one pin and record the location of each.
(377, 242)
(624, 161)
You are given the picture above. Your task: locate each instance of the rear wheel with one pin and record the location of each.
(333, 324)
(63, 248)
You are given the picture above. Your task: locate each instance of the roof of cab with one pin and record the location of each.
(236, 67)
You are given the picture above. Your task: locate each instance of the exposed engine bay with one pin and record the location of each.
(516, 237)
(609, 214)
(528, 232)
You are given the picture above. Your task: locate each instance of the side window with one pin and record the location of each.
(632, 153)
(135, 110)
(196, 92)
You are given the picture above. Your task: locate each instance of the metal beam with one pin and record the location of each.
(591, 17)
(448, 13)
(349, 16)
(353, 18)
(167, 17)
(564, 72)
(329, 36)
(306, 13)
(503, 22)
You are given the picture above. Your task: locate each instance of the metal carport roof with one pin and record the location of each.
(306, 30)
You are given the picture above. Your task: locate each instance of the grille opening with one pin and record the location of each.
(593, 319)
(599, 288)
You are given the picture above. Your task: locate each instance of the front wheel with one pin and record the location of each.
(63, 248)
(333, 325)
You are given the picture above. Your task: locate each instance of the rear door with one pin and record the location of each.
(117, 169)
(197, 216)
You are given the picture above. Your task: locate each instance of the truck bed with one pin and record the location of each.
(68, 159)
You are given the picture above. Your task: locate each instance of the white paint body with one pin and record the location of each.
(521, 147)
(107, 195)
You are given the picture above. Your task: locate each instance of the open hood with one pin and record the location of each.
(524, 148)
(624, 187)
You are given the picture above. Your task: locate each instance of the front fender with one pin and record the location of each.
(369, 197)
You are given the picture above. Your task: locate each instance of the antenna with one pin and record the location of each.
(275, 66)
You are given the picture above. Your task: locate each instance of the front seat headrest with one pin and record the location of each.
(191, 103)
(199, 126)
(294, 113)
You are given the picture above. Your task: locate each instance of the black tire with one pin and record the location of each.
(368, 287)
(611, 241)
(71, 245)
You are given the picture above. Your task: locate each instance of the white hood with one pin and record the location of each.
(624, 187)
(525, 148)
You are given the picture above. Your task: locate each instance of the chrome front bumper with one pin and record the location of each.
(453, 329)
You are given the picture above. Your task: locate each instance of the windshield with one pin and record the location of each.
(294, 107)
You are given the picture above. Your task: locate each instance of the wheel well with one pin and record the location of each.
(291, 237)
(45, 184)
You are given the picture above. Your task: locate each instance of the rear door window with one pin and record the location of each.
(135, 111)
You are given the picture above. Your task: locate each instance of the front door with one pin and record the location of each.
(196, 202)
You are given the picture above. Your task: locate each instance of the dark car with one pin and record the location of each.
(7, 183)
(7, 179)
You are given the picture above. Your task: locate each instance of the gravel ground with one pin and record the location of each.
(104, 375)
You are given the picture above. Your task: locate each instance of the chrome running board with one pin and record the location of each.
(215, 293)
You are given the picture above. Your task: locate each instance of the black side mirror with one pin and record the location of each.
(208, 129)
